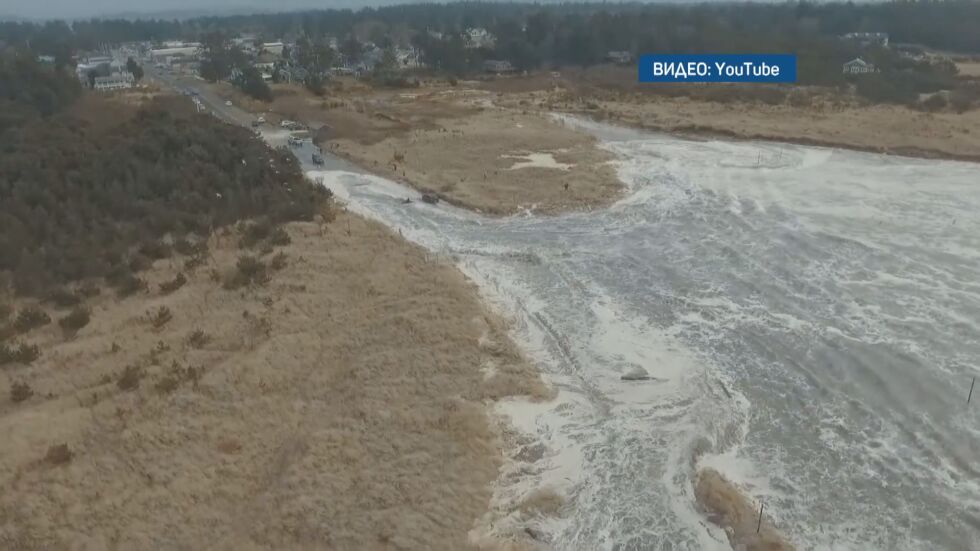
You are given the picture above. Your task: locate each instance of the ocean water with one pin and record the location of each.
(809, 318)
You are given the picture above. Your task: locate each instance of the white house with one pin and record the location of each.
(274, 48)
(117, 81)
(479, 37)
(162, 55)
(621, 58)
(497, 66)
(858, 66)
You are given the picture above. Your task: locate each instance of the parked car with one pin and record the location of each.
(287, 123)
(228, 103)
(294, 141)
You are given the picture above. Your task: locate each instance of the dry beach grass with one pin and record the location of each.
(339, 406)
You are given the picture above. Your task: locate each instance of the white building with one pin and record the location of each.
(858, 66)
(118, 81)
(868, 39)
(497, 66)
(274, 48)
(479, 37)
(620, 57)
(162, 55)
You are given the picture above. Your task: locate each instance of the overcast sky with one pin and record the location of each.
(69, 9)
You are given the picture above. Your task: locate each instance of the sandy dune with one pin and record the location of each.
(340, 406)
(497, 161)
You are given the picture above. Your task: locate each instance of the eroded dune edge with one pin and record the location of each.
(728, 507)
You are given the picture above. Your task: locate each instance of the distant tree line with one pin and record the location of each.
(573, 33)
(540, 36)
(82, 201)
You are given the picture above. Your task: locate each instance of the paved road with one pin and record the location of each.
(214, 104)
(234, 115)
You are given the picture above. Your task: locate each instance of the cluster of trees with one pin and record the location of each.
(222, 60)
(29, 90)
(316, 57)
(81, 201)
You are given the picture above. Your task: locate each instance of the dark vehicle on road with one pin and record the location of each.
(318, 159)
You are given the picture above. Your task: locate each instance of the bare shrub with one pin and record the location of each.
(78, 318)
(279, 237)
(255, 232)
(23, 353)
(167, 384)
(20, 392)
(158, 351)
(129, 285)
(64, 298)
(30, 318)
(156, 250)
(130, 378)
(176, 375)
(177, 282)
(248, 270)
(159, 317)
(59, 454)
(198, 339)
(89, 290)
(279, 261)
(139, 262)
(187, 248)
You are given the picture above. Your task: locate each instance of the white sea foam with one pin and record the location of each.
(807, 317)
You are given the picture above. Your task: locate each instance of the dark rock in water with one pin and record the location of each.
(535, 534)
(531, 453)
(430, 198)
(636, 374)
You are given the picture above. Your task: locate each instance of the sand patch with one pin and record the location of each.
(537, 160)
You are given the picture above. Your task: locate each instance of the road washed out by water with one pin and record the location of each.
(806, 321)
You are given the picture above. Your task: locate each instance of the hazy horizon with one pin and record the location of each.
(85, 9)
